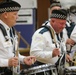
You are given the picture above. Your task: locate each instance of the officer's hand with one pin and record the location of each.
(56, 52)
(29, 60)
(70, 42)
(13, 61)
(68, 58)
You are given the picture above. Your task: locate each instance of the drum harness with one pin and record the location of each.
(61, 60)
(4, 69)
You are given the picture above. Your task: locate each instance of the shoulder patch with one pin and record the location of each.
(43, 30)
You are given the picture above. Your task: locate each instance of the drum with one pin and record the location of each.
(46, 69)
(70, 70)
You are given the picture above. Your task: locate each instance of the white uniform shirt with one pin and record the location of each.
(42, 46)
(73, 34)
(73, 37)
(6, 47)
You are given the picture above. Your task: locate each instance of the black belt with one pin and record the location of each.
(5, 71)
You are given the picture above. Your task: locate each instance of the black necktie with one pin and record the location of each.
(58, 37)
(11, 35)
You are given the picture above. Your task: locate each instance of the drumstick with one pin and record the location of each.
(32, 61)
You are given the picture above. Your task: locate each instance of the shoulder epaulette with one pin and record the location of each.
(43, 30)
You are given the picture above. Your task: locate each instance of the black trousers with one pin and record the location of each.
(5, 71)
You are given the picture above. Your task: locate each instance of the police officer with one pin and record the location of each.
(56, 5)
(45, 43)
(8, 43)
